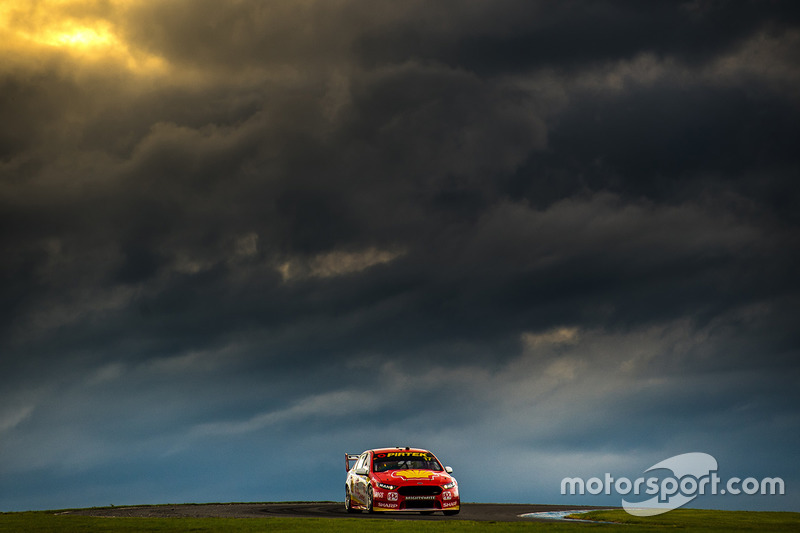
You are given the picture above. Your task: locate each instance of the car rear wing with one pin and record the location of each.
(350, 457)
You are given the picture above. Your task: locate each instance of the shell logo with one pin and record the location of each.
(413, 474)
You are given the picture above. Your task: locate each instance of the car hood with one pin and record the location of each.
(413, 477)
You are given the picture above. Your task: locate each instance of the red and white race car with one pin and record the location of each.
(399, 479)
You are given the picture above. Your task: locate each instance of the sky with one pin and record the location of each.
(541, 239)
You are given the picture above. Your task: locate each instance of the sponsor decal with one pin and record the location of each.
(378, 494)
(413, 474)
(391, 496)
(405, 454)
(449, 504)
(420, 497)
(447, 495)
(387, 505)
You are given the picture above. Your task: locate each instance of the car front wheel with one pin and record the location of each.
(369, 501)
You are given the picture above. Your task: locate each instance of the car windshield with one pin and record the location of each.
(384, 462)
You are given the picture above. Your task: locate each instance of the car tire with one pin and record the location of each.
(369, 501)
(348, 502)
(450, 513)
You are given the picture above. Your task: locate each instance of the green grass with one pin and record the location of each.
(681, 519)
(701, 520)
(42, 522)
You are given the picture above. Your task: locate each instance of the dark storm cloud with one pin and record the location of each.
(263, 228)
(513, 37)
(213, 35)
(644, 133)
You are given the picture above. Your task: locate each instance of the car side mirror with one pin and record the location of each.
(362, 470)
(448, 469)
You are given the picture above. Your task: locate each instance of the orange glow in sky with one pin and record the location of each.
(80, 28)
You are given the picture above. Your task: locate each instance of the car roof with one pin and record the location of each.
(399, 449)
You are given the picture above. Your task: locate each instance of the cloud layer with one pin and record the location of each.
(543, 240)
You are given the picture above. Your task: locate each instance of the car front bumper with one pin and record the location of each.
(448, 500)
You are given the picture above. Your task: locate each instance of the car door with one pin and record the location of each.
(361, 482)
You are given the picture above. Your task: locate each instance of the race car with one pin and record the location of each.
(399, 479)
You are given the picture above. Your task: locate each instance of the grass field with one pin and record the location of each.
(684, 519)
(700, 520)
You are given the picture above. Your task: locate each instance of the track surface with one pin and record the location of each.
(499, 512)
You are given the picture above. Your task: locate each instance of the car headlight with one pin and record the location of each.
(386, 486)
(449, 485)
